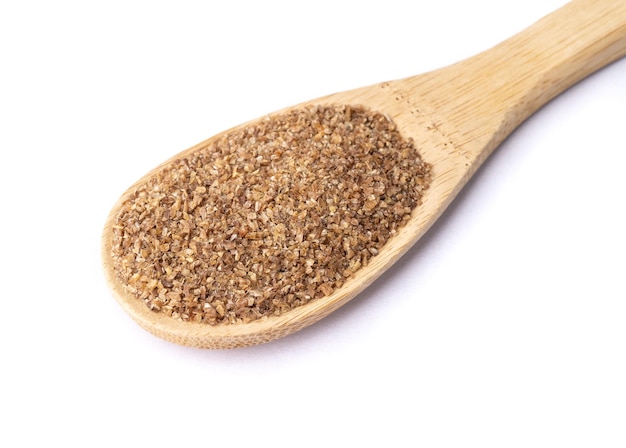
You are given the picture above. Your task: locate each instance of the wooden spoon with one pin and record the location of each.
(457, 116)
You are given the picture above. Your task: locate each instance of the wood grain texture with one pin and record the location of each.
(457, 116)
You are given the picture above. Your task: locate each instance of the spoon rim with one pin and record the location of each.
(267, 328)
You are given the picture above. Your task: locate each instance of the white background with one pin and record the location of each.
(504, 327)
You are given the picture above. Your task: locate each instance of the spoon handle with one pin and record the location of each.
(557, 52)
(501, 87)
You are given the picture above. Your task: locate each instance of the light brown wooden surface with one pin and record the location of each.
(457, 116)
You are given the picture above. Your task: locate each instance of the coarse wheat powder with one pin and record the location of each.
(268, 217)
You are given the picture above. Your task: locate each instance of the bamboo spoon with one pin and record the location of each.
(457, 116)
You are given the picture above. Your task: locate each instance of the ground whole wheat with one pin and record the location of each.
(269, 217)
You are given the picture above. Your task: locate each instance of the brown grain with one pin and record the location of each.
(269, 217)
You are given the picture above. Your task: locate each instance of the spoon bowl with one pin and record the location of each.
(456, 116)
